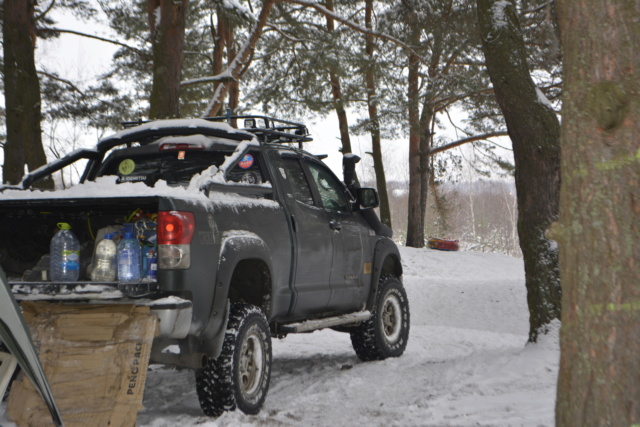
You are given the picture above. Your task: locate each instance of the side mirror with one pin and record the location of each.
(368, 198)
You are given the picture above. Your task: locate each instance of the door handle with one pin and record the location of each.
(335, 225)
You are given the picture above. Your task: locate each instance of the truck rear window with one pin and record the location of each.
(176, 168)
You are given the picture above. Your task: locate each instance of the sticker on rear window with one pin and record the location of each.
(246, 162)
(126, 167)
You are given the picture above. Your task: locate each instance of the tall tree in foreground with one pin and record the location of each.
(535, 134)
(599, 227)
(21, 92)
(166, 24)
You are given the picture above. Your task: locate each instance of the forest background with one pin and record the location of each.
(95, 62)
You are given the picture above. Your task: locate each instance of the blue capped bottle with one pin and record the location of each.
(65, 255)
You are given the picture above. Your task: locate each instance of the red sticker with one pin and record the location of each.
(246, 162)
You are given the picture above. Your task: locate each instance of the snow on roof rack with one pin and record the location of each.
(266, 129)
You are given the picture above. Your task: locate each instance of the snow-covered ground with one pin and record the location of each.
(466, 363)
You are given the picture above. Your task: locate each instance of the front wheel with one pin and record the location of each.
(239, 377)
(386, 332)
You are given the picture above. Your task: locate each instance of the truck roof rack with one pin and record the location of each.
(268, 129)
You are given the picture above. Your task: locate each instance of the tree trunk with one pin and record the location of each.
(372, 105)
(21, 93)
(220, 36)
(426, 118)
(535, 134)
(415, 220)
(599, 227)
(336, 92)
(241, 61)
(167, 37)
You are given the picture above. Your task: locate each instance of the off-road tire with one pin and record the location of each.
(386, 332)
(239, 377)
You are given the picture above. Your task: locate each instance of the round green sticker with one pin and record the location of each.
(126, 167)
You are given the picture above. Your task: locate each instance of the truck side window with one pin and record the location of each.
(331, 191)
(247, 170)
(298, 181)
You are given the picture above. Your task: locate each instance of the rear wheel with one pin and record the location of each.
(239, 377)
(386, 332)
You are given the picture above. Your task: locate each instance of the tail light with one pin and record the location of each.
(175, 232)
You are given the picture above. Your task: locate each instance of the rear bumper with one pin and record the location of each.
(174, 314)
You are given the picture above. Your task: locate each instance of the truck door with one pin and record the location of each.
(313, 241)
(350, 276)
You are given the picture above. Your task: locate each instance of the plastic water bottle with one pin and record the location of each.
(129, 259)
(105, 262)
(65, 255)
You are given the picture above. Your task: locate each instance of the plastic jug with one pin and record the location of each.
(105, 261)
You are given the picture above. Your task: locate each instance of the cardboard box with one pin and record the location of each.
(95, 358)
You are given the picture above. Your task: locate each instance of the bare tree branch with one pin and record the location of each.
(53, 2)
(67, 82)
(445, 147)
(91, 36)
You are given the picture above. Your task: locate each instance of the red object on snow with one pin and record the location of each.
(443, 244)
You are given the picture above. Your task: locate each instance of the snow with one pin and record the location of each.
(542, 99)
(466, 363)
(104, 187)
(234, 5)
(171, 123)
(500, 14)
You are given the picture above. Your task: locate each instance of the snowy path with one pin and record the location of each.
(466, 363)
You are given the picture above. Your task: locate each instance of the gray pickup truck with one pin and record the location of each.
(255, 238)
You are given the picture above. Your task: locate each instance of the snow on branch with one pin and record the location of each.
(225, 76)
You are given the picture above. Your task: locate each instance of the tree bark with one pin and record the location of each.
(167, 37)
(21, 93)
(599, 226)
(336, 92)
(535, 134)
(415, 220)
(372, 105)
